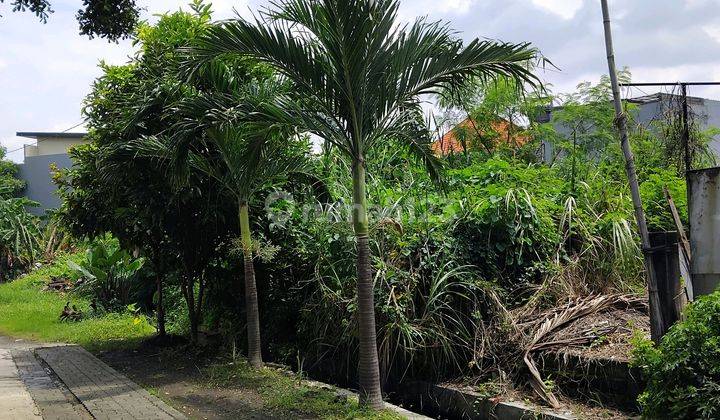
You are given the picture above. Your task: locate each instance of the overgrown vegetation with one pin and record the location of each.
(28, 312)
(107, 276)
(455, 253)
(19, 229)
(683, 372)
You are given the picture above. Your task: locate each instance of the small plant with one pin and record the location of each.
(683, 372)
(489, 390)
(107, 275)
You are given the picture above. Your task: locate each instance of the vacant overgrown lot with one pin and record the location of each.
(200, 385)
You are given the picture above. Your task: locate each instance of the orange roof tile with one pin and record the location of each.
(450, 144)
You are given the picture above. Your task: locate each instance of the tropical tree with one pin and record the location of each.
(19, 229)
(111, 188)
(358, 80)
(19, 232)
(111, 19)
(249, 163)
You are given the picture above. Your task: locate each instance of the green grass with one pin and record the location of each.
(284, 393)
(28, 312)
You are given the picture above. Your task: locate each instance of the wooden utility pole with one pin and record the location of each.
(656, 322)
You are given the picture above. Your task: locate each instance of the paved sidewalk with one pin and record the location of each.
(104, 392)
(53, 399)
(15, 400)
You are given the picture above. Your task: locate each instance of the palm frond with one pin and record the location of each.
(356, 74)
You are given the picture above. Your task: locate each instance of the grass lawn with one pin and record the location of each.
(28, 312)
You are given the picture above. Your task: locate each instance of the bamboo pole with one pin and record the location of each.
(656, 321)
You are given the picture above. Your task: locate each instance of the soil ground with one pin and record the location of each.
(177, 379)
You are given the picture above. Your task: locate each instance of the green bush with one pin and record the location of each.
(107, 275)
(683, 372)
(656, 205)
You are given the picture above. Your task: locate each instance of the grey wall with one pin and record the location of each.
(706, 111)
(39, 186)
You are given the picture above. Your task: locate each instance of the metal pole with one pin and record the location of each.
(656, 321)
(686, 142)
(686, 128)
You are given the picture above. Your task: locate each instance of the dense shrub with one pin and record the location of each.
(683, 372)
(108, 275)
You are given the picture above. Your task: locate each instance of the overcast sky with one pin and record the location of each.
(46, 70)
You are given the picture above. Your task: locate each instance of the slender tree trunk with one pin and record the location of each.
(188, 286)
(160, 309)
(656, 321)
(251, 299)
(369, 366)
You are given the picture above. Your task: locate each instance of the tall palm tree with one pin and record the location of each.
(243, 161)
(358, 77)
(246, 165)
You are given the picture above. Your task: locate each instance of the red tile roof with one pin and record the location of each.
(450, 144)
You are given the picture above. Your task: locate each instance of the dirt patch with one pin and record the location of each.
(621, 325)
(177, 378)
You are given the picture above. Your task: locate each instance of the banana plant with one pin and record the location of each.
(107, 275)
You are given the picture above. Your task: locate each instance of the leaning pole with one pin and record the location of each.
(656, 321)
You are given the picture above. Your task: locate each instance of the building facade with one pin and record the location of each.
(49, 150)
(650, 109)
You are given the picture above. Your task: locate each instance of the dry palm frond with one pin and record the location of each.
(558, 318)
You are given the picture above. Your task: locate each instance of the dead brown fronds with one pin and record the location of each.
(530, 329)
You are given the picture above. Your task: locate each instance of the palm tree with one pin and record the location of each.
(243, 161)
(248, 164)
(358, 77)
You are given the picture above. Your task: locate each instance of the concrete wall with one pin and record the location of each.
(39, 186)
(707, 113)
(51, 146)
(704, 212)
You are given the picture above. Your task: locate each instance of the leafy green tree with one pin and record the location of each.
(249, 163)
(357, 81)
(19, 229)
(111, 19)
(111, 189)
(497, 114)
(10, 184)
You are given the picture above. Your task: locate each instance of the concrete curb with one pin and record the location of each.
(345, 393)
(469, 405)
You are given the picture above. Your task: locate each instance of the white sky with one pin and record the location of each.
(46, 70)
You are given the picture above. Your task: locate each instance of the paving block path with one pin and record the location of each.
(54, 400)
(15, 400)
(104, 392)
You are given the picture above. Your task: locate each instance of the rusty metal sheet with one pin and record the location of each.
(704, 212)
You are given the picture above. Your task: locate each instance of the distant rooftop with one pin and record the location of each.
(50, 134)
(656, 97)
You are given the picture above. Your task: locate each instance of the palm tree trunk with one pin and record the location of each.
(369, 367)
(251, 299)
